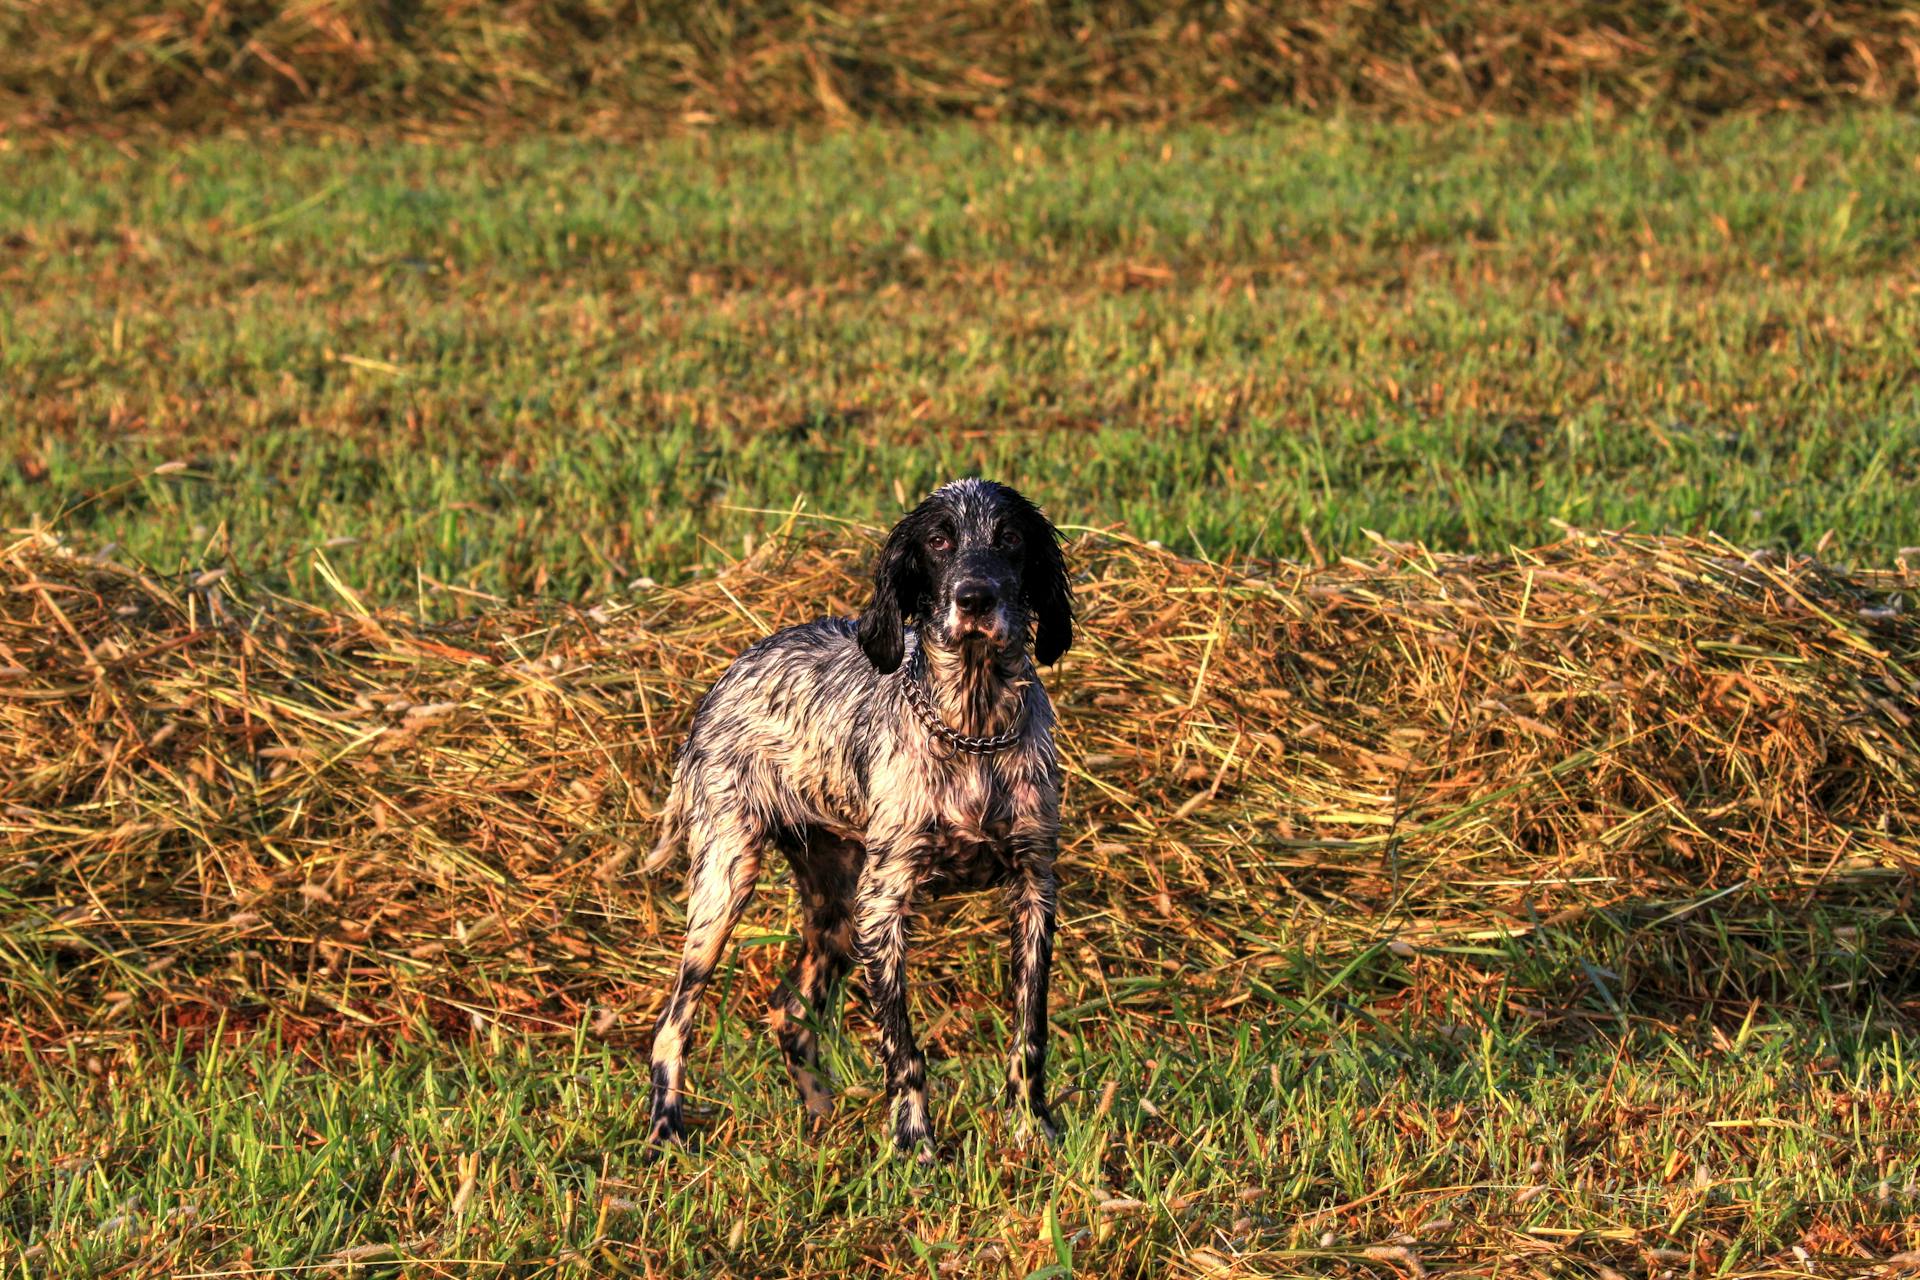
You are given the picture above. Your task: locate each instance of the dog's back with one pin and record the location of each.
(783, 733)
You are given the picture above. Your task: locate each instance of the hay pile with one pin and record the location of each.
(1613, 769)
(635, 68)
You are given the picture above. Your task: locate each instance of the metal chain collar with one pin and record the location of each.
(914, 682)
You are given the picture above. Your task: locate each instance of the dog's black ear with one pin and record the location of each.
(1049, 594)
(898, 583)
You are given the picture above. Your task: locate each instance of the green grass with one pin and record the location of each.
(550, 365)
(1642, 1147)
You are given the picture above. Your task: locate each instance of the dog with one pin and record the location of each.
(906, 753)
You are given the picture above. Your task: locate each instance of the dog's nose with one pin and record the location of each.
(975, 596)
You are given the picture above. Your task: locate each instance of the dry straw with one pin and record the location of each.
(217, 802)
(633, 67)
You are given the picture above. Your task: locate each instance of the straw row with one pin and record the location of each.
(635, 67)
(217, 801)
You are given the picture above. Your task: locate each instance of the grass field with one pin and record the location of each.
(1534, 913)
(1492, 1151)
(553, 365)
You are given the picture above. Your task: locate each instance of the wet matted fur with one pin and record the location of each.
(908, 753)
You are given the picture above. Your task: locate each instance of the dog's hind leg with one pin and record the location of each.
(822, 872)
(724, 851)
(805, 999)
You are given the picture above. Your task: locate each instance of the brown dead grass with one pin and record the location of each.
(218, 802)
(624, 68)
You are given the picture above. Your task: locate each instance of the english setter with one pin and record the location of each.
(908, 752)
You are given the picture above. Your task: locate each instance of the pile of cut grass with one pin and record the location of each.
(628, 67)
(1616, 771)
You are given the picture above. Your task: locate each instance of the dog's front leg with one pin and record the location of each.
(1035, 892)
(880, 914)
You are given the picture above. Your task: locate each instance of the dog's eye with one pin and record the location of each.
(1010, 539)
(939, 542)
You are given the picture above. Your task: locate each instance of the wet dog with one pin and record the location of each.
(908, 753)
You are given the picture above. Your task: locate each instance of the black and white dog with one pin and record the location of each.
(908, 753)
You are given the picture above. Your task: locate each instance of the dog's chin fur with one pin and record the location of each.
(978, 683)
(989, 655)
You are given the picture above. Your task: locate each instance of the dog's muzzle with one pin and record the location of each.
(976, 610)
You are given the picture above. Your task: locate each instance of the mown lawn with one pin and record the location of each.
(554, 366)
(1194, 1146)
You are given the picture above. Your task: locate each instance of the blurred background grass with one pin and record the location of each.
(563, 363)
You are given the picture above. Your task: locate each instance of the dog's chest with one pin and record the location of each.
(973, 817)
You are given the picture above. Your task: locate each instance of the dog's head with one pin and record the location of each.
(975, 565)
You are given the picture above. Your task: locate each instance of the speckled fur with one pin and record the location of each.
(807, 743)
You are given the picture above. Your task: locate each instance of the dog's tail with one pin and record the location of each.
(673, 832)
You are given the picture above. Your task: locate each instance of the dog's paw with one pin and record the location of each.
(668, 1130)
(916, 1145)
(815, 1095)
(1032, 1126)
